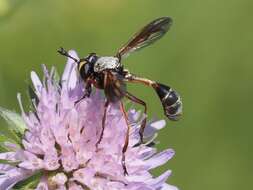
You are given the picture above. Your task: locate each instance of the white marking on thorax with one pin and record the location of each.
(104, 63)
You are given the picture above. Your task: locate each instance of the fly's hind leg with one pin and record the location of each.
(144, 121)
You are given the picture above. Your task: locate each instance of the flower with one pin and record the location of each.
(54, 146)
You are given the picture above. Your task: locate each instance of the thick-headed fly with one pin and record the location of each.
(108, 73)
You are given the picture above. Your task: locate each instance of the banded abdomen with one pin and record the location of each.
(171, 101)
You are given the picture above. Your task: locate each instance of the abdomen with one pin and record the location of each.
(171, 101)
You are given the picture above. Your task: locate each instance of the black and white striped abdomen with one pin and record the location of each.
(171, 101)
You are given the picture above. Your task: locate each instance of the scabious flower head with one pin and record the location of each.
(54, 145)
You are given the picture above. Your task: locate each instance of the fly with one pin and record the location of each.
(108, 73)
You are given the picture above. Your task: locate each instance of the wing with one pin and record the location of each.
(146, 36)
(114, 86)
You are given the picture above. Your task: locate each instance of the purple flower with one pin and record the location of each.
(55, 144)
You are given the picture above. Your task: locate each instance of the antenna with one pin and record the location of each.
(63, 52)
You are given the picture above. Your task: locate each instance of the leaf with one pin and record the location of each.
(3, 140)
(3, 148)
(29, 183)
(8, 135)
(8, 162)
(17, 126)
(15, 121)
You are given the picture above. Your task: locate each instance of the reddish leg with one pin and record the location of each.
(139, 101)
(123, 160)
(103, 123)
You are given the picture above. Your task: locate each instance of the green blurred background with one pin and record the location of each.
(206, 56)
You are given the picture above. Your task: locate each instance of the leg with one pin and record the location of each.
(104, 116)
(139, 101)
(86, 93)
(103, 123)
(123, 160)
(134, 79)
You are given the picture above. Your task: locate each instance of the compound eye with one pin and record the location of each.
(92, 58)
(86, 68)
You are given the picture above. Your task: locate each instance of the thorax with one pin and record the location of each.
(106, 63)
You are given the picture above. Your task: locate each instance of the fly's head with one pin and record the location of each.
(86, 66)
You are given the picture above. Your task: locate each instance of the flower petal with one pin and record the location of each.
(59, 179)
(160, 158)
(74, 186)
(8, 156)
(153, 127)
(42, 184)
(69, 77)
(36, 83)
(68, 159)
(168, 187)
(84, 176)
(31, 162)
(160, 180)
(13, 176)
(5, 168)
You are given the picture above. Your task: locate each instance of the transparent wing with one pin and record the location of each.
(146, 36)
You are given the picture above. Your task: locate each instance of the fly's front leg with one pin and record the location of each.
(103, 123)
(87, 92)
(105, 111)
